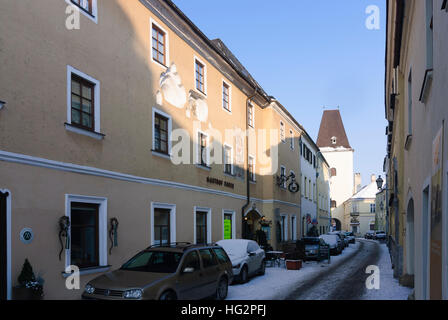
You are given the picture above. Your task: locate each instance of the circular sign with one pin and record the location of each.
(26, 235)
(293, 187)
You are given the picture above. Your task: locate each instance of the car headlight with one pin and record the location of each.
(89, 289)
(133, 294)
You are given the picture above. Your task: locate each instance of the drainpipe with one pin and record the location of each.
(244, 235)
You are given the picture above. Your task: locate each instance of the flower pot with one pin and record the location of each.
(293, 264)
(20, 293)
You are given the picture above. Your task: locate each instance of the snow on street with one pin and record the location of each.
(344, 278)
(389, 286)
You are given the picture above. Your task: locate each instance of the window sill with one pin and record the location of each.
(87, 271)
(229, 175)
(227, 110)
(161, 154)
(159, 64)
(92, 134)
(252, 182)
(200, 166)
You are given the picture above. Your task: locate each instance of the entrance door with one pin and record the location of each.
(3, 247)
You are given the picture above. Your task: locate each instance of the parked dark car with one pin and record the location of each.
(380, 235)
(167, 272)
(369, 234)
(351, 237)
(334, 242)
(315, 248)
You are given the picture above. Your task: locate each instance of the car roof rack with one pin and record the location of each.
(169, 245)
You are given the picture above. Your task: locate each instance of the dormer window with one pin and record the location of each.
(333, 140)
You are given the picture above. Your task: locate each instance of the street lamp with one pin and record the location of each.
(379, 182)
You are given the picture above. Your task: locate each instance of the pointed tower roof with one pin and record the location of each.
(332, 132)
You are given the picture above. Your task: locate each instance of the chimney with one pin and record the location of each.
(373, 178)
(357, 182)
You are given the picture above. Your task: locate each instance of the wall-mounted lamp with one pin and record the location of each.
(113, 233)
(64, 226)
(2, 104)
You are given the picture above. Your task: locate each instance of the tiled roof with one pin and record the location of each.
(331, 127)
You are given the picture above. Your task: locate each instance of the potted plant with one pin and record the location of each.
(30, 287)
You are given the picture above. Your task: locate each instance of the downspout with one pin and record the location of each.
(243, 209)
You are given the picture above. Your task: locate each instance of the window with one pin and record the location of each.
(87, 8)
(293, 228)
(291, 143)
(305, 187)
(226, 96)
(228, 227)
(252, 176)
(154, 261)
(333, 140)
(200, 76)
(158, 45)
(192, 261)
(162, 227)
(372, 208)
(82, 103)
(410, 103)
(429, 34)
(283, 175)
(208, 258)
(201, 227)
(228, 161)
(283, 229)
(221, 255)
(282, 132)
(333, 204)
(203, 150)
(84, 233)
(250, 115)
(161, 133)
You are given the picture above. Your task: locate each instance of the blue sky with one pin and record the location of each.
(310, 54)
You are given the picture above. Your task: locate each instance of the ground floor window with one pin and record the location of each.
(201, 226)
(84, 232)
(283, 229)
(293, 228)
(162, 226)
(228, 226)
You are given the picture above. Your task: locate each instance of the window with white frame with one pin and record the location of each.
(282, 131)
(200, 73)
(163, 223)
(229, 224)
(293, 228)
(283, 228)
(291, 142)
(283, 175)
(252, 176)
(228, 159)
(250, 115)
(226, 96)
(88, 231)
(202, 220)
(161, 132)
(83, 103)
(202, 146)
(89, 8)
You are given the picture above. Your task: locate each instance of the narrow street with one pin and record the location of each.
(342, 281)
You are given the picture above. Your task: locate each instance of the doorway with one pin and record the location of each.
(251, 224)
(410, 238)
(4, 254)
(425, 244)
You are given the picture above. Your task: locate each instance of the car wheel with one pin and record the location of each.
(168, 295)
(244, 275)
(222, 290)
(262, 268)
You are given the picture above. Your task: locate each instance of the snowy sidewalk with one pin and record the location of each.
(390, 289)
(278, 283)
